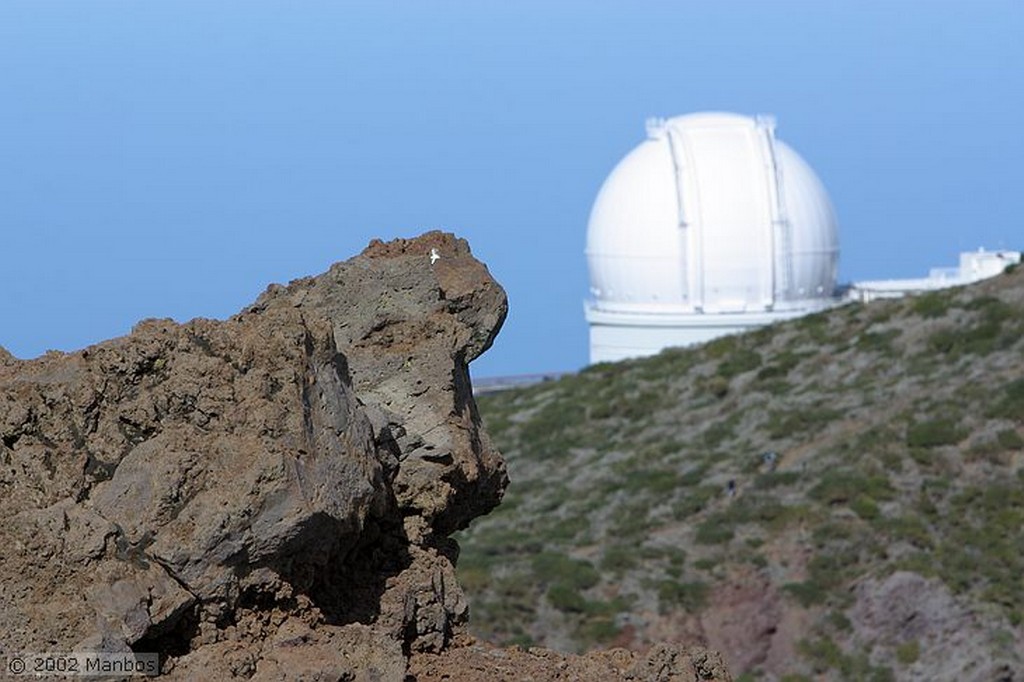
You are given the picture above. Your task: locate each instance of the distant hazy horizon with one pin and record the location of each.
(171, 159)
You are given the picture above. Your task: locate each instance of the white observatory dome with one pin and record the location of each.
(709, 226)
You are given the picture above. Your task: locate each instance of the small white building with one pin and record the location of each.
(974, 267)
(710, 226)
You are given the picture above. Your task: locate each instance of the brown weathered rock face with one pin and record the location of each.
(481, 663)
(267, 497)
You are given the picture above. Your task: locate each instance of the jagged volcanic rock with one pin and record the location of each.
(267, 497)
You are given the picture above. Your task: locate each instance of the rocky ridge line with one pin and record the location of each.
(270, 496)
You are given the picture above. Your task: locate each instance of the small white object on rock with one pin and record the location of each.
(434, 256)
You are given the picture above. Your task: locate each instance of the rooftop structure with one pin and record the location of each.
(974, 267)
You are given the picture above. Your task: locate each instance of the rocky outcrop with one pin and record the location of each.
(268, 496)
(919, 614)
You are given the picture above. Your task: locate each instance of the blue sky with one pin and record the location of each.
(170, 159)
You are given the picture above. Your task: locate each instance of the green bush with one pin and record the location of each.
(878, 342)
(1009, 439)
(691, 596)
(676, 557)
(824, 655)
(754, 508)
(980, 338)
(742, 360)
(784, 362)
(934, 433)
(807, 593)
(720, 347)
(695, 501)
(775, 387)
(599, 630)
(840, 486)
(600, 410)
(618, 559)
(717, 386)
(910, 529)
(714, 531)
(1011, 403)
(564, 530)
(549, 434)
(658, 481)
(992, 308)
(669, 362)
(831, 567)
(944, 341)
(640, 405)
(721, 431)
(839, 621)
(631, 519)
(693, 476)
(931, 305)
(773, 371)
(474, 572)
(908, 652)
(815, 325)
(776, 479)
(566, 598)
(865, 507)
(551, 567)
(781, 425)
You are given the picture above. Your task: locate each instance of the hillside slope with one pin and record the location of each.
(839, 497)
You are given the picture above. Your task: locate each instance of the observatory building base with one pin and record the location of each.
(620, 336)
